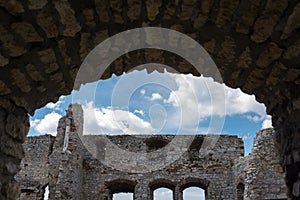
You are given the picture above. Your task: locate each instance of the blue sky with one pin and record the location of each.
(141, 103)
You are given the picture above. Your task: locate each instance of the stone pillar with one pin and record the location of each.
(66, 160)
(288, 136)
(178, 195)
(142, 191)
(14, 126)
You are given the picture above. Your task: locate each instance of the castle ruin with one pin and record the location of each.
(71, 172)
(255, 45)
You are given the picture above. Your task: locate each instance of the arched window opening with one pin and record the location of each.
(121, 189)
(122, 196)
(162, 189)
(240, 188)
(193, 188)
(163, 194)
(193, 193)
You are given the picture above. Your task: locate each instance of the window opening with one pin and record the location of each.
(163, 194)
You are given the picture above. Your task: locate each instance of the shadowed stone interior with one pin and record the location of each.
(255, 45)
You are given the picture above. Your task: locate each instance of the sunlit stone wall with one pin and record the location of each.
(73, 173)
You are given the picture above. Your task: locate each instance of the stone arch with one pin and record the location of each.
(161, 183)
(193, 182)
(157, 183)
(43, 45)
(240, 190)
(120, 185)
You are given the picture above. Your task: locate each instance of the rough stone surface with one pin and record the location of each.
(264, 25)
(20, 80)
(227, 9)
(3, 61)
(10, 43)
(253, 25)
(153, 8)
(292, 23)
(101, 10)
(14, 7)
(260, 171)
(14, 124)
(67, 16)
(27, 32)
(270, 54)
(134, 9)
(34, 176)
(247, 20)
(37, 4)
(72, 172)
(47, 22)
(4, 88)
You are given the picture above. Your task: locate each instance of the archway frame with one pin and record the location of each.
(255, 50)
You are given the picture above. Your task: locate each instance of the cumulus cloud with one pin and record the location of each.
(141, 112)
(57, 105)
(255, 118)
(267, 123)
(47, 125)
(197, 98)
(156, 96)
(113, 121)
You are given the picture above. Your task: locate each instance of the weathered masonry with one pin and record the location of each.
(71, 172)
(255, 45)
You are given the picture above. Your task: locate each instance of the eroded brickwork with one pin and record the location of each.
(255, 45)
(260, 172)
(34, 176)
(14, 125)
(73, 173)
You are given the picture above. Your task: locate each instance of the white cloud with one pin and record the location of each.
(267, 123)
(143, 92)
(156, 96)
(57, 105)
(247, 137)
(141, 112)
(47, 125)
(197, 98)
(110, 121)
(254, 118)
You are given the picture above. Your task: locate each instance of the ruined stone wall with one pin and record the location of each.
(212, 172)
(260, 171)
(14, 125)
(254, 43)
(73, 173)
(66, 160)
(34, 174)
